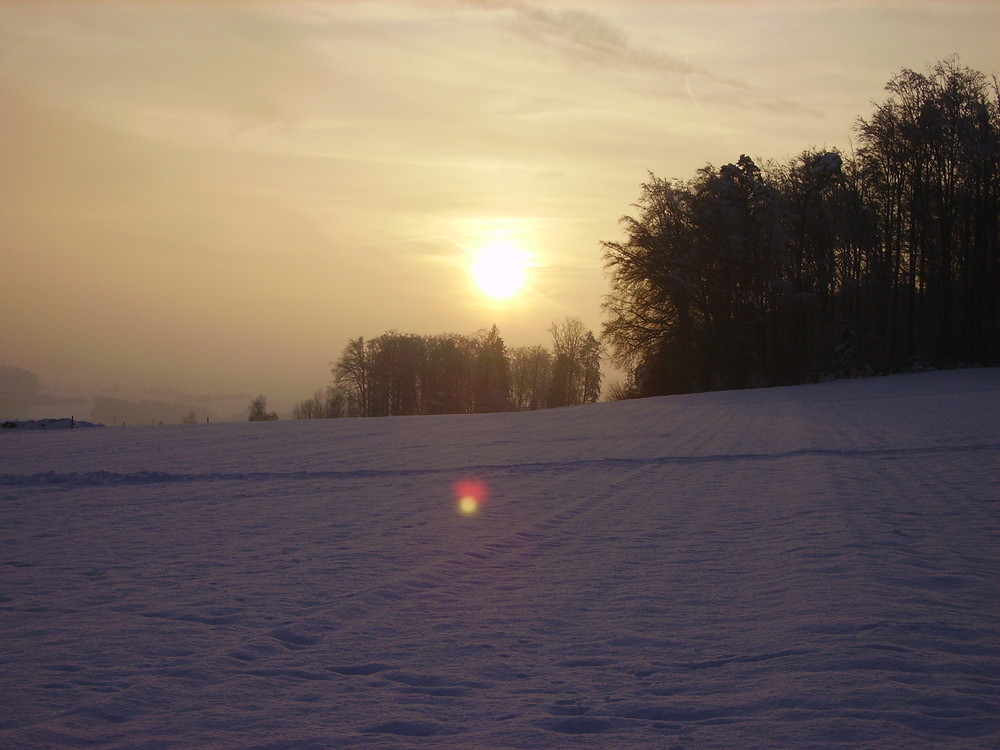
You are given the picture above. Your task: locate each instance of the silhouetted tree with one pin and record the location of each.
(931, 159)
(448, 384)
(257, 411)
(396, 373)
(747, 276)
(828, 241)
(353, 373)
(530, 372)
(326, 403)
(492, 377)
(576, 368)
(396, 367)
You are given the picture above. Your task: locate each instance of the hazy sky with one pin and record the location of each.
(214, 197)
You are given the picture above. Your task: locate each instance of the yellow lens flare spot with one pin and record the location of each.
(500, 269)
(470, 494)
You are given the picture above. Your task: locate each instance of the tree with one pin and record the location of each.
(353, 373)
(190, 418)
(589, 390)
(397, 368)
(651, 315)
(829, 242)
(931, 155)
(745, 276)
(530, 371)
(397, 373)
(698, 282)
(326, 403)
(449, 377)
(492, 378)
(258, 412)
(576, 368)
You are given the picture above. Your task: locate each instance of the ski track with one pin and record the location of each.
(798, 567)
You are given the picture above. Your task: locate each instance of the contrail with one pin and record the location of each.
(687, 83)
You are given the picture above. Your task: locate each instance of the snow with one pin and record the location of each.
(813, 566)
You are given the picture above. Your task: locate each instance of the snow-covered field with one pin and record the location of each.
(793, 567)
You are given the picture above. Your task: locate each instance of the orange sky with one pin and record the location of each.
(213, 197)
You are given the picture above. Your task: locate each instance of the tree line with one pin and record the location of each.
(403, 373)
(883, 260)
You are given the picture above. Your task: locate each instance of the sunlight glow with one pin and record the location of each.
(500, 269)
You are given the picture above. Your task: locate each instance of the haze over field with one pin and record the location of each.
(213, 198)
(810, 566)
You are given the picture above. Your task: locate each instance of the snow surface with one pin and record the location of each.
(792, 567)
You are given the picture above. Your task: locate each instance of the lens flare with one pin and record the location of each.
(469, 494)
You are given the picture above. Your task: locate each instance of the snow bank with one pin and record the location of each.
(813, 566)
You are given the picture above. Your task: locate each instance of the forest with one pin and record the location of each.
(831, 265)
(401, 373)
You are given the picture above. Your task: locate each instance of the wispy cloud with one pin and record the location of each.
(590, 38)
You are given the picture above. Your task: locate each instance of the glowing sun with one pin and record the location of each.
(500, 270)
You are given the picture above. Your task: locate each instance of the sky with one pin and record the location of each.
(215, 197)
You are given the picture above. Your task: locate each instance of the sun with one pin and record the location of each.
(500, 269)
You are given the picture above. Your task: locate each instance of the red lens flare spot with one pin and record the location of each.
(469, 494)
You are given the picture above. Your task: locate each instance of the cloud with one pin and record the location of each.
(784, 106)
(590, 38)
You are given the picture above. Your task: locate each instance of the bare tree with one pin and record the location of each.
(326, 403)
(530, 371)
(353, 372)
(258, 412)
(576, 369)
